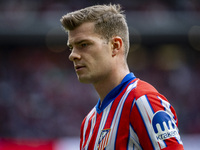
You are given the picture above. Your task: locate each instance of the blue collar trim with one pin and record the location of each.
(114, 93)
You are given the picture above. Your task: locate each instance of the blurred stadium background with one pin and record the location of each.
(42, 104)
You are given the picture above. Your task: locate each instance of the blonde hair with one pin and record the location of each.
(109, 21)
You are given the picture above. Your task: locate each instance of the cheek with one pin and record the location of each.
(100, 57)
(103, 64)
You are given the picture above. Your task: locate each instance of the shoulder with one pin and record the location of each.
(142, 88)
(138, 88)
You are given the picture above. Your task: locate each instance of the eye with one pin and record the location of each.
(84, 45)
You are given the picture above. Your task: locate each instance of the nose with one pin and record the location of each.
(74, 55)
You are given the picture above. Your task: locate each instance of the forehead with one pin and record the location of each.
(82, 32)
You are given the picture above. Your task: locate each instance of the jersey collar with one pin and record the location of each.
(114, 93)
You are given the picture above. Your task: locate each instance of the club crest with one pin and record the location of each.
(103, 139)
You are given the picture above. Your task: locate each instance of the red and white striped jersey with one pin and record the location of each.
(133, 116)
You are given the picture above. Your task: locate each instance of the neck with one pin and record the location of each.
(104, 86)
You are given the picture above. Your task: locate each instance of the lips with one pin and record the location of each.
(79, 67)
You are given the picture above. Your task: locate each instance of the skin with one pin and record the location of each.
(97, 61)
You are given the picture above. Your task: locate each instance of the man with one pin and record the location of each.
(130, 113)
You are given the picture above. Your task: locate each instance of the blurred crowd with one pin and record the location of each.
(53, 5)
(40, 95)
(21, 14)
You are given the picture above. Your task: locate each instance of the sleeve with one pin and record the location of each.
(154, 123)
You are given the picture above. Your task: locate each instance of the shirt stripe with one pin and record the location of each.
(117, 115)
(147, 114)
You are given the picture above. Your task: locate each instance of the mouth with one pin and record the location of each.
(79, 67)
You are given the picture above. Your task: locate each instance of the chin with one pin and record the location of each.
(84, 79)
(89, 79)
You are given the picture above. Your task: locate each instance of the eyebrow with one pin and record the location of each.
(78, 42)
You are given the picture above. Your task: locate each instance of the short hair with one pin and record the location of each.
(109, 21)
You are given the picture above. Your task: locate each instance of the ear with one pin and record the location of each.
(116, 45)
